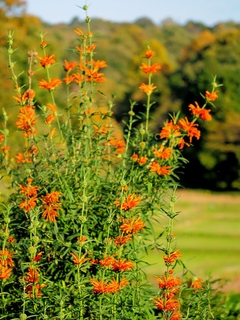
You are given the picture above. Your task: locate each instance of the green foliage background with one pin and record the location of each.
(190, 55)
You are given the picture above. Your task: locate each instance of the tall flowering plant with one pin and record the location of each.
(79, 220)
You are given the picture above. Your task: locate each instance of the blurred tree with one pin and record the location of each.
(13, 7)
(218, 157)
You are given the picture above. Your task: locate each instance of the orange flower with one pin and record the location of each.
(168, 305)
(28, 95)
(113, 286)
(199, 112)
(51, 107)
(49, 118)
(123, 282)
(94, 76)
(69, 79)
(6, 258)
(190, 128)
(51, 205)
(142, 160)
(99, 286)
(34, 290)
(147, 88)
(130, 202)
(43, 44)
(5, 272)
(38, 256)
(150, 69)
(176, 315)
(32, 275)
(107, 261)
(149, 53)
(163, 153)
(51, 85)
(77, 77)
(170, 130)
(197, 284)
(172, 257)
(28, 204)
(99, 64)
(2, 137)
(5, 149)
(205, 115)
(122, 265)
(211, 96)
(168, 282)
(47, 60)
(29, 190)
(11, 239)
(77, 260)
(182, 143)
(134, 157)
(87, 48)
(100, 129)
(51, 134)
(132, 226)
(121, 240)
(68, 66)
(82, 239)
(160, 170)
(26, 120)
(79, 32)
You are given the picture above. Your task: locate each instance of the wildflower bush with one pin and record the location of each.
(84, 197)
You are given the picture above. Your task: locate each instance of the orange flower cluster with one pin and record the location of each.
(132, 226)
(104, 287)
(147, 88)
(197, 283)
(171, 258)
(30, 192)
(163, 153)
(118, 145)
(89, 68)
(121, 240)
(49, 85)
(140, 160)
(120, 265)
(47, 61)
(168, 302)
(27, 97)
(51, 116)
(170, 130)
(160, 170)
(150, 69)
(79, 260)
(28, 156)
(190, 128)
(26, 120)
(130, 202)
(167, 281)
(33, 287)
(51, 204)
(202, 113)
(5, 150)
(38, 257)
(6, 264)
(212, 96)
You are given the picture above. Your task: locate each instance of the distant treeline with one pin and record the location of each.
(190, 56)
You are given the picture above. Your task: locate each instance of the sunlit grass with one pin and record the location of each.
(207, 231)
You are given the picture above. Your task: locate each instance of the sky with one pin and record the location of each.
(210, 12)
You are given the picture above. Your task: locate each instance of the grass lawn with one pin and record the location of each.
(208, 235)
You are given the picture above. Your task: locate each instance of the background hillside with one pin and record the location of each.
(190, 56)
